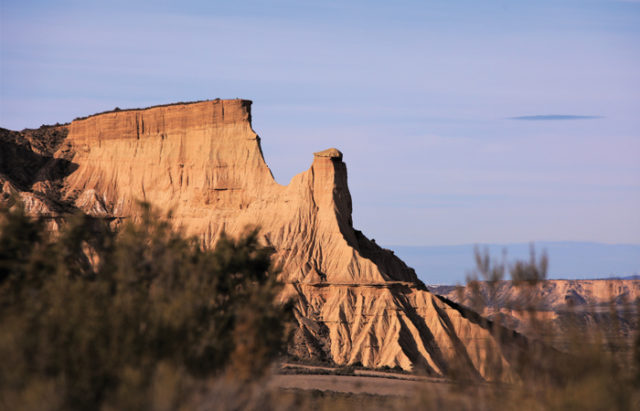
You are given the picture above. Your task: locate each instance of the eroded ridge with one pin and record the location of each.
(355, 301)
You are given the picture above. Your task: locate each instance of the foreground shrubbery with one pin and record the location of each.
(598, 367)
(92, 318)
(146, 318)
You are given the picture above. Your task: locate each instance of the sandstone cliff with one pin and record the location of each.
(355, 302)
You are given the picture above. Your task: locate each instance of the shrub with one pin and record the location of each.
(588, 374)
(91, 317)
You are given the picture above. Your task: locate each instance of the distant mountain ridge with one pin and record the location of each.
(592, 306)
(448, 265)
(630, 277)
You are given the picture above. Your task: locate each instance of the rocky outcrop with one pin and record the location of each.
(203, 161)
(550, 294)
(355, 302)
(29, 170)
(556, 307)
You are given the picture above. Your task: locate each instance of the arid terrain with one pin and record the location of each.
(553, 308)
(355, 304)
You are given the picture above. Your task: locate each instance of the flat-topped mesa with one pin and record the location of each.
(355, 301)
(186, 157)
(203, 162)
(160, 120)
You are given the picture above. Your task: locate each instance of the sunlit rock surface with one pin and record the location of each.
(354, 301)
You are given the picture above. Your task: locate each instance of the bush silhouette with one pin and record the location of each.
(91, 317)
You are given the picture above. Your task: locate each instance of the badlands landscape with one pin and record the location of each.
(364, 328)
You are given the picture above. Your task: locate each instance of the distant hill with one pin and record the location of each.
(630, 277)
(588, 306)
(567, 260)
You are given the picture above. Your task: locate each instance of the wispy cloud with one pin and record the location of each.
(551, 117)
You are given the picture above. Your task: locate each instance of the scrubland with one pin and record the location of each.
(147, 318)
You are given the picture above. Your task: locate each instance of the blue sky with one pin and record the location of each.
(460, 121)
(567, 260)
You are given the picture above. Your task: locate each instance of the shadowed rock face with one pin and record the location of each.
(29, 169)
(355, 302)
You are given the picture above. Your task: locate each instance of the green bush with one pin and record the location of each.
(93, 318)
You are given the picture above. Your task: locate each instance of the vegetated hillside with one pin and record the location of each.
(355, 303)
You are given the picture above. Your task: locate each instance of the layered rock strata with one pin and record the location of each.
(591, 307)
(355, 302)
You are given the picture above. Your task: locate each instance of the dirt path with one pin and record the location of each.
(362, 382)
(355, 384)
(365, 373)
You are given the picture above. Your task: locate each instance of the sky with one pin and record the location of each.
(454, 264)
(461, 122)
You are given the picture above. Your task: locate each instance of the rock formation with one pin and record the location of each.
(355, 302)
(551, 294)
(587, 306)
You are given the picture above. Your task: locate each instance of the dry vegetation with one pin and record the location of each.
(91, 318)
(148, 319)
(599, 367)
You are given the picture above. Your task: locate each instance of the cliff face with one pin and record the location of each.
(204, 162)
(355, 302)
